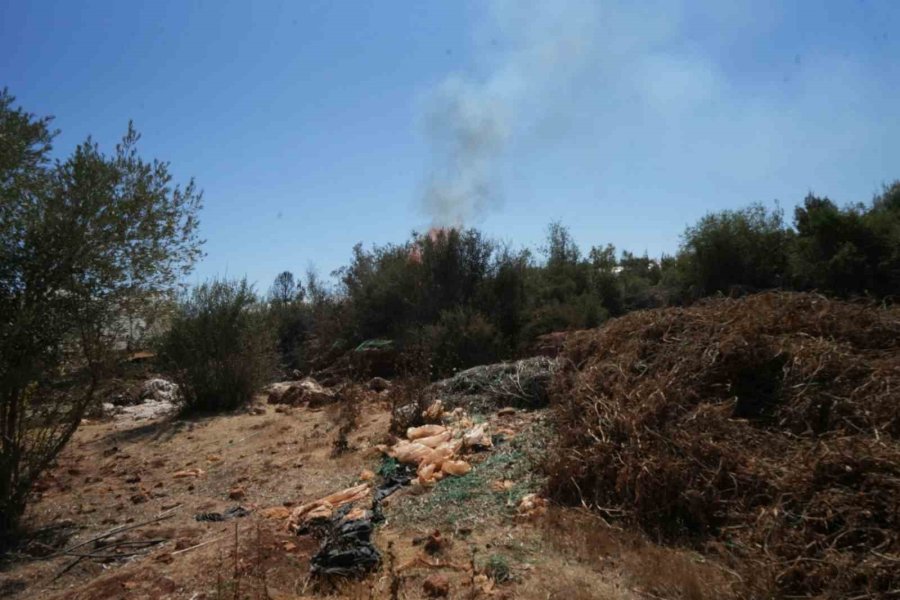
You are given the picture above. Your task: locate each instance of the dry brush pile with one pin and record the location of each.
(763, 429)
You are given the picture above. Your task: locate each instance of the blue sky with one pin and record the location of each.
(311, 126)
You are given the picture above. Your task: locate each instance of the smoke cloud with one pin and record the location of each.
(532, 52)
(706, 104)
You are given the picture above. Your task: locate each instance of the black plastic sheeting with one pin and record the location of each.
(347, 549)
(403, 476)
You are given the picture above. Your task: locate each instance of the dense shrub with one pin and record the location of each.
(454, 266)
(220, 347)
(848, 251)
(506, 295)
(293, 323)
(292, 319)
(461, 338)
(583, 311)
(470, 299)
(382, 292)
(735, 250)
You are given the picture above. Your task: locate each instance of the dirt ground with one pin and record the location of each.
(122, 472)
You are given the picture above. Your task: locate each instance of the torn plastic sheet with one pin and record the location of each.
(347, 550)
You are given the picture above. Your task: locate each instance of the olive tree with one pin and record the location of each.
(80, 238)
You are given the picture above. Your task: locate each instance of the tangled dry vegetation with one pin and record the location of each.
(522, 383)
(763, 430)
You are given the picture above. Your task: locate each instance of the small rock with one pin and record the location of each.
(436, 586)
(139, 498)
(133, 478)
(237, 493)
(506, 412)
(294, 393)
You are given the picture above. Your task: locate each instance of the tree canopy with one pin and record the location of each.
(80, 237)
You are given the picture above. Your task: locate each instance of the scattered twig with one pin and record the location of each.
(108, 555)
(67, 568)
(161, 517)
(200, 545)
(81, 556)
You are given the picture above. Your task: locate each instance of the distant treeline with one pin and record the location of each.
(466, 299)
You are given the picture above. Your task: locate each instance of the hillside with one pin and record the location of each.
(735, 448)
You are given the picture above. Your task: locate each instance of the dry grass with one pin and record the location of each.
(650, 570)
(275, 457)
(286, 456)
(764, 430)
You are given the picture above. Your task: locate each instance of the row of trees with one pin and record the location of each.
(843, 251)
(466, 299)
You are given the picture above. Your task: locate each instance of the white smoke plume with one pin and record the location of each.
(535, 52)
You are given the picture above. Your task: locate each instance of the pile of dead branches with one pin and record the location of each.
(764, 429)
(522, 383)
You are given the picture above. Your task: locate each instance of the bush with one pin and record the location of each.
(848, 251)
(505, 294)
(461, 338)
(293, 324)
(220, 348)
(292, 319)
(581, 312)
(735, 250)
